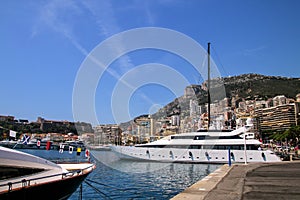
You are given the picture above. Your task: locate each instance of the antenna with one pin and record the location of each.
(208, 83)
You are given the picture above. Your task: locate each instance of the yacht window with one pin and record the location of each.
(208, 146)
(182, 137)
(11, 172)
(235, 147)
(195, 147)
(207, 137)
(222, 147)
(199, 137)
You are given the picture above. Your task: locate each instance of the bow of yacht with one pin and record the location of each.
(25, 176)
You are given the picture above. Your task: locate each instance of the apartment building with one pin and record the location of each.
(278, 118)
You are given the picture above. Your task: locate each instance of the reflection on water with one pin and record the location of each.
(119, 179)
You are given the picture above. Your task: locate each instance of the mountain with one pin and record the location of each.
(245, 86)
(253, 86)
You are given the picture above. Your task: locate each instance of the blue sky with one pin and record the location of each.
(44, 43)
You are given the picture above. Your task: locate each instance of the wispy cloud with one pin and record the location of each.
(106, 20)
(58, 16)
(149, 15)
(253, 51)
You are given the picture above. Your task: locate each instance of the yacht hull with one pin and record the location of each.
(193, 155)
(61, 189)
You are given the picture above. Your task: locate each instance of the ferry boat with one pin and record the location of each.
(24, 176)
(210, 146)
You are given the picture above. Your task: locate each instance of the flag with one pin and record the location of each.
(26, 139)
(12, 133)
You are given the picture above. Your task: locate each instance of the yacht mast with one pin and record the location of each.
(208, 84)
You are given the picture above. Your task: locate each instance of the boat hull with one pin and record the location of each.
(61, 189)
(193, 155)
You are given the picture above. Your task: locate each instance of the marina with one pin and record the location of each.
(119, 179)
(154, 100)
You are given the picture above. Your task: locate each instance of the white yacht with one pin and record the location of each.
(24, 176)
(207, 146)
(201, 147)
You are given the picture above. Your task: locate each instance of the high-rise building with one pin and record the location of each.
(278, 118)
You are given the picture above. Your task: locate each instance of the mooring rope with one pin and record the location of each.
(104, 184)
(97, 190)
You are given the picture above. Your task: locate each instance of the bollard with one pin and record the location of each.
(229, 157)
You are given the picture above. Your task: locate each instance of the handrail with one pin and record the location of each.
(26, 182)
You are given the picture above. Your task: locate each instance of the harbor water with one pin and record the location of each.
(120, 179)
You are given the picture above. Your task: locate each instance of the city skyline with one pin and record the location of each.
(45, 43)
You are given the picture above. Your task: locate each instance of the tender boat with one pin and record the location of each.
(24, 176)
(201, 147)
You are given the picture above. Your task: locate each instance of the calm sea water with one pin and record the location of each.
(119, 179)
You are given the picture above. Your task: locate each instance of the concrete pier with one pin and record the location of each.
(251, 181)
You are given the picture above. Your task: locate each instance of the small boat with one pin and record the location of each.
(25, 176)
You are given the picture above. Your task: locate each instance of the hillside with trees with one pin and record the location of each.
(246, 86)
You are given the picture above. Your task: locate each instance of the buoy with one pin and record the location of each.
(263, 155)
(71, 149)
(48, 145)
(61, 148)
(38, 143)
(191, 155)
(87, 153)
(171, 155)
(148, 153)
(78, 151)
(232, 156)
